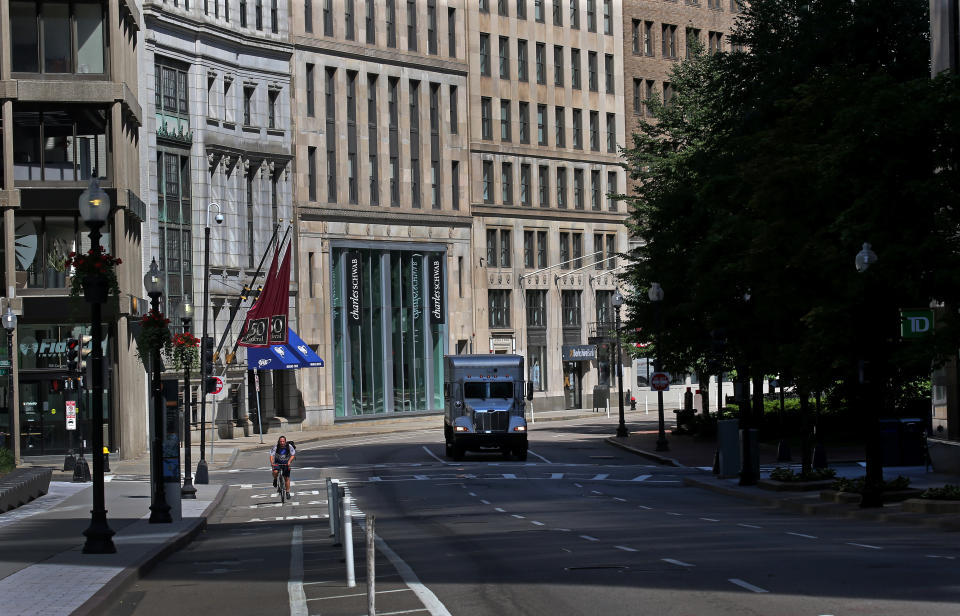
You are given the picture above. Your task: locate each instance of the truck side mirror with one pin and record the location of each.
(529, 390)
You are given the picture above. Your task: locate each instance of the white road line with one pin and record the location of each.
(578, 485)
(434, 456)
(485, 502)
(673, 513)
(678, 563)
(617, 498)
(401, 612)
(625, 548)
(533, 453)
(298, 600)
(600, 477)
(746, 585)
(802, 535)
(374, 479)
(749, 525)
(509, 476)
(710, 519)
(360, 594)
(864, 545)
(500, 510)
(556, 475)
(519, 517)
(641, 477)
(536, 523)
(589, 538)
(643, 507)
(938, 556)
(562, 530)
(421, 477)
(595, 492)
(471, 494)
(426, 597)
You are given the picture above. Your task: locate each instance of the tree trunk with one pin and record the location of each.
(806, 454)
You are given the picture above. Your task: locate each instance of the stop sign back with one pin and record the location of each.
(660, 381)
(219, 387)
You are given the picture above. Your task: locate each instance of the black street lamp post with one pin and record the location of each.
(203, 476)
(656, 296)
(873, 485)
(159, 510)
(617, 302)
(748, 474)
(94, 206)
(188, 490)
(10, 324)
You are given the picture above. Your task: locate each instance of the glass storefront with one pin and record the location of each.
(388, 346)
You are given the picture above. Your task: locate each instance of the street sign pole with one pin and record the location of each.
(256, 380)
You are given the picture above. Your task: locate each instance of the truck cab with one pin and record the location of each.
(484, 405)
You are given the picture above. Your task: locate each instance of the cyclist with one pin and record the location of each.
(281, 457)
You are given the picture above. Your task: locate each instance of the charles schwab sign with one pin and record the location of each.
(435, 265)
(354, 296)
(579, 352)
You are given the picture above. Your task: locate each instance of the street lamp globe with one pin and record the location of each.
(656, 292)
(185, 310)
(152, 281)
(9, 320)
(865, 258)
(94, 203)
(617, 299)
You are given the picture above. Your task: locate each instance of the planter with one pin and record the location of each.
(95, 289)
(929, 505)
(794, 486)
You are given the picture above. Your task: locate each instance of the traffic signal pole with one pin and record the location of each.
(202, 475)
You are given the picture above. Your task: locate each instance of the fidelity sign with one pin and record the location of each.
(437, 312)
(354, 297)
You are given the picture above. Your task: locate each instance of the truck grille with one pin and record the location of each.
(496, 421)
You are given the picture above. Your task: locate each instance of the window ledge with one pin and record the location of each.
(250, 129)
(278, 132)
(213, 122)
(229, 125)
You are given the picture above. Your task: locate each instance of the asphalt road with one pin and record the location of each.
(580, 528)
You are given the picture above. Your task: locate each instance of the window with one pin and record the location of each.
(607, 17)
(352, 188)
(248, 93)
(541, 249)
(538, 10)
(564, 250)
(272, 96)
(307, 14)
(452, 32)
(524, 122)
(484, 54)
(391, 23)
(715, 42)
(636, 31)
(57, 37)
(414, 111)
(432, 27)
(610, 253)
(528, 250)
(667, 93)
(312, 173)
(311, 110)
(714, 4)
(592, 15)
(486, 181)
(506, 184)
(543, 185)
(257, 13)
(411, 25)
(522, 60)
(484, 6)
(521, 9)
(541, 125)
(499, 307)
(561, 187)
(393, 112)
(650, 93)
(611, 133)
(693, 36)
(638, 96)
(499, 247)
(373, 139)
(504, 57)
(505, 128)
(575, 14)
(455, 184)
(348, 21)
(595, 131)
(454, 116)
(608, 67)
(577, 253)
(243, 13)
(560, 115)
(486, 120)
(502, 10)
(557, 13)
(575, 68)
(541, 51)
(251, 223)
(328, 17)
(174, 224)
(212, 96)
(578, 189)
(557, 65)
(63, 145)
(570, 308)
(612, 189)
(592, 71)
(525, 185)
(371, 22)
(536, 303)
(331, 116)
(668, 41)
(595, 189)
(577, 129)
(735, 6)
(648, 38)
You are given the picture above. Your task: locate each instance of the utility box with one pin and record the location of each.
(728, 446)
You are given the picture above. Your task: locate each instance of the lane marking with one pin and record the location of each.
(567, 530)
(710, 519)
(746, 585)
(673, 513)
(749, 525)
(485, 502)
(676, 562)
(427, 598)
(625, 548)
(864, 545)
(374, 479)
(578, 485)
(596, 492)
(402, 612)
(589, 538)
(509, 476)
(536, 523)
(600, 477)
(643, 507)
(298, 600)
(434, 456)
(802, 535)
(556, 475)
(938, 556)
(519, 517)
(641, 477)
(533, 453)
(421, 477)
(360, 594)
(500, 510)
(471, 494)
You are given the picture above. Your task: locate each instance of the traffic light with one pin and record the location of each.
(206, 367)
(73, 354)
(84, 347)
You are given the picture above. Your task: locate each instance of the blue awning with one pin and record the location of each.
(291, 356)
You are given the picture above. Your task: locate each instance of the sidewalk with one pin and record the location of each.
(690, 452)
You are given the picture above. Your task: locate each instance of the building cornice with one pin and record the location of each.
(418, 218)
(367, 53)
(547, 214)
(155, 15)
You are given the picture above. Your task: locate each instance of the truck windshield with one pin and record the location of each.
(488, 389)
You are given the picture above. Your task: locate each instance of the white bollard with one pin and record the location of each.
(371, 566)
(608, 407)
(348, 541)
(646, 404)
(532, 419)
(333, 508)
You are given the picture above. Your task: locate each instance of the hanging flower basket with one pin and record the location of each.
(93, 267)
(184, 351)
(154, 336)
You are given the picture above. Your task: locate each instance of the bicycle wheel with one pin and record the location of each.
(282, 491)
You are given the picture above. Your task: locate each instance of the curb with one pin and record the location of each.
(612, 440)
(137, 570)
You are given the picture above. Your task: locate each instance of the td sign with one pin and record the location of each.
(916, 323)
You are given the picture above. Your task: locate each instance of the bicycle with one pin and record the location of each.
(281, 482)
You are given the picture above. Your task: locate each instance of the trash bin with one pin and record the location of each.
(912, 439)
(890, 441)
